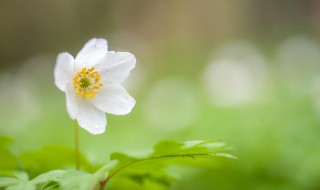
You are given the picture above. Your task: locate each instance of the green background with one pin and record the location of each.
(267, 111)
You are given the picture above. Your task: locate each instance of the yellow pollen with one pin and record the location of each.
(87, 82)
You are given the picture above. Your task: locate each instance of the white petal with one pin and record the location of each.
(73, 101)
(116, 67)
(91, 54)
(113, 99)
(63, 72)
(90, 118)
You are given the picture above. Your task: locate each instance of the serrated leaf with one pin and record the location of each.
(150, 167)
(52, 158)
(226, 155)
(161, 148)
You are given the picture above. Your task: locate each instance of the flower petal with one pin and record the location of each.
(113, 99)
(91, 54)
(116, 67)
(63, 72)
(90, 118)
(73, 101)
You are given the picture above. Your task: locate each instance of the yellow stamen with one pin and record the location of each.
(87, 82)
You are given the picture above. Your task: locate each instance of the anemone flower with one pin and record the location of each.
(92, 83)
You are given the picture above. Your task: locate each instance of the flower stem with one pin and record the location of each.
(76, 141)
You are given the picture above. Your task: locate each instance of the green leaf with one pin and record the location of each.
(166, 148)
(54, 175)
(8, 181)
(19, 180)
(57, 179)
(72, 179)
(103, 172)
(22, 186)
(165, 153)
(52, 158)
(16, 181)
(164, 180)
(77, 180)
(15, 174)
(150, 170)
(123, 160)
(51, 186)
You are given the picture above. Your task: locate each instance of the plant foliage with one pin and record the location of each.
(151, 168)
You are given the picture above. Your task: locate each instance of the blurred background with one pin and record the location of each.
(244, 71)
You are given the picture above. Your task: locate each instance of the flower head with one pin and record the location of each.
(92, 83)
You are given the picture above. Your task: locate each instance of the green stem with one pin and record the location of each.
(76, 140)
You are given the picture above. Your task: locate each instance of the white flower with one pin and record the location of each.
(92, 83)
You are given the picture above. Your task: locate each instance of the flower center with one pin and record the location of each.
(84, 82)
(87, 82)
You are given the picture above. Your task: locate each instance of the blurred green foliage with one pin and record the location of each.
(7, 160)
(50, 158)
(276, 136)
(132, 168)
